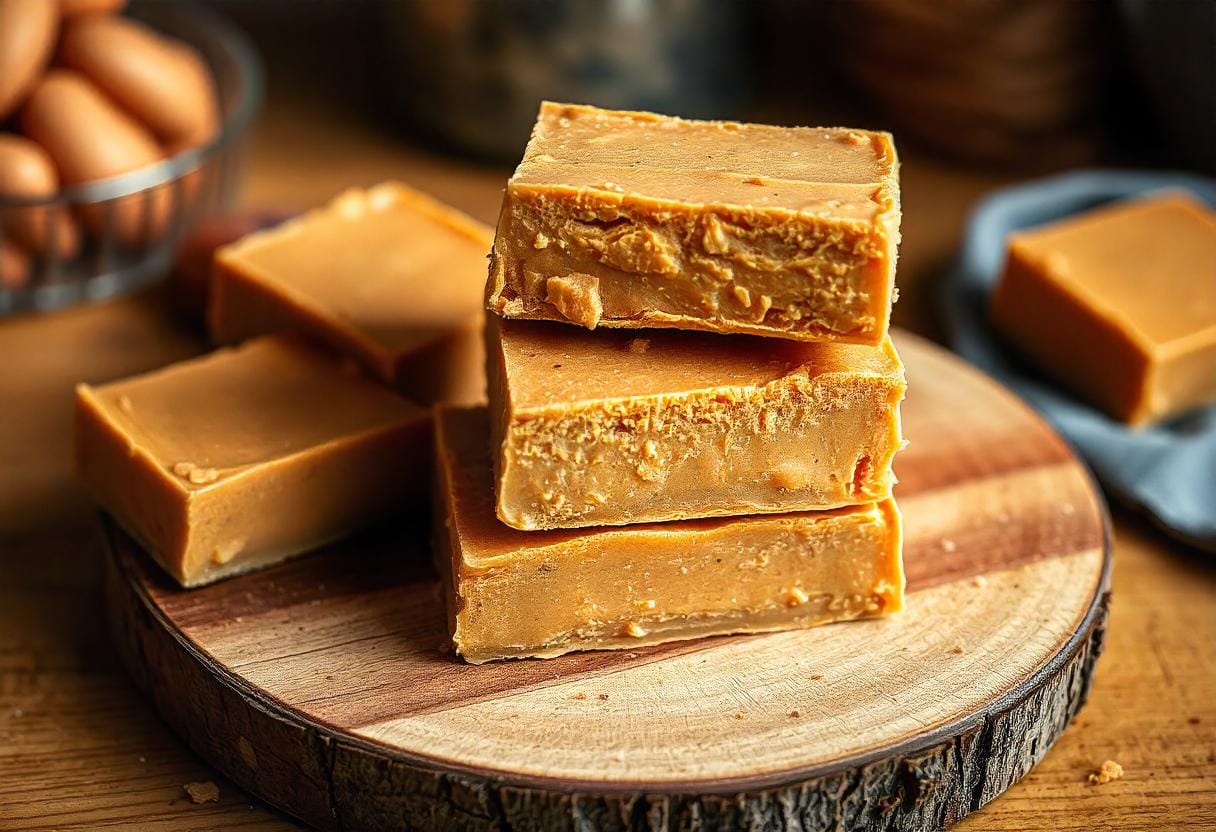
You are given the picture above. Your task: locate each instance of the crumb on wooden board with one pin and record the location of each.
(1108, 771)
(202, 792)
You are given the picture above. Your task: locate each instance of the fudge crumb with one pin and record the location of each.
(541, 241)
(796, 596)
(1110, 770)
(576, 297)
(635, 629)
(204, 792)
(948, 545)
(957, 650)
(603, 697)
(635, 655)
(637, 346)
(795, 714)
(580, 696)
(979, 582)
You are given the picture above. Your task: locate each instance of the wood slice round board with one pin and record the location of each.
(326, 686)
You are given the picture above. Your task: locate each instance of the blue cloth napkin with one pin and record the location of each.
(1168, 470)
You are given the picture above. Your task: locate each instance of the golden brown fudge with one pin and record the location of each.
(617, 427)
(513, 594)
(621, 219)
(1119, 305)
(249, 455)
(387, 275)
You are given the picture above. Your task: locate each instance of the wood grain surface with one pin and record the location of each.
(81, 749)
(326, 685)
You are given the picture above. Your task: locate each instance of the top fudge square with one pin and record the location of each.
(624, 219)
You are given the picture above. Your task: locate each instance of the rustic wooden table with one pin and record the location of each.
(79, 748)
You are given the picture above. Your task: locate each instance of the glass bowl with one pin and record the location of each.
(164, 200)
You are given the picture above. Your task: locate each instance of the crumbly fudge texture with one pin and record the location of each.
(513, 594)
(619, 427)
(623, 219)
(387, 275)
(249, 455)
(1119, 305)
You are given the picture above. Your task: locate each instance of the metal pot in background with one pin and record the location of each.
(471, 72)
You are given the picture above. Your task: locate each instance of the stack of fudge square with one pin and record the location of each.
(693, 399)
(693, 402)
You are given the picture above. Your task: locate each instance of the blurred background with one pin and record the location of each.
(979, 93)
(442, 93)
(1026, 85)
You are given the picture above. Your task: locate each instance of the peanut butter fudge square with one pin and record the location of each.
(249, 455)
(619, 427)
(388, 275)
(1086, 299)
(624, 219)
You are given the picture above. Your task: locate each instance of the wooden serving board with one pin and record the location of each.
(325, 685)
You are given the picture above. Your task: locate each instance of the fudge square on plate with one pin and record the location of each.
(512, 594)
(625, 219)
(1119, 304)
(617, 427)
(249, 455)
